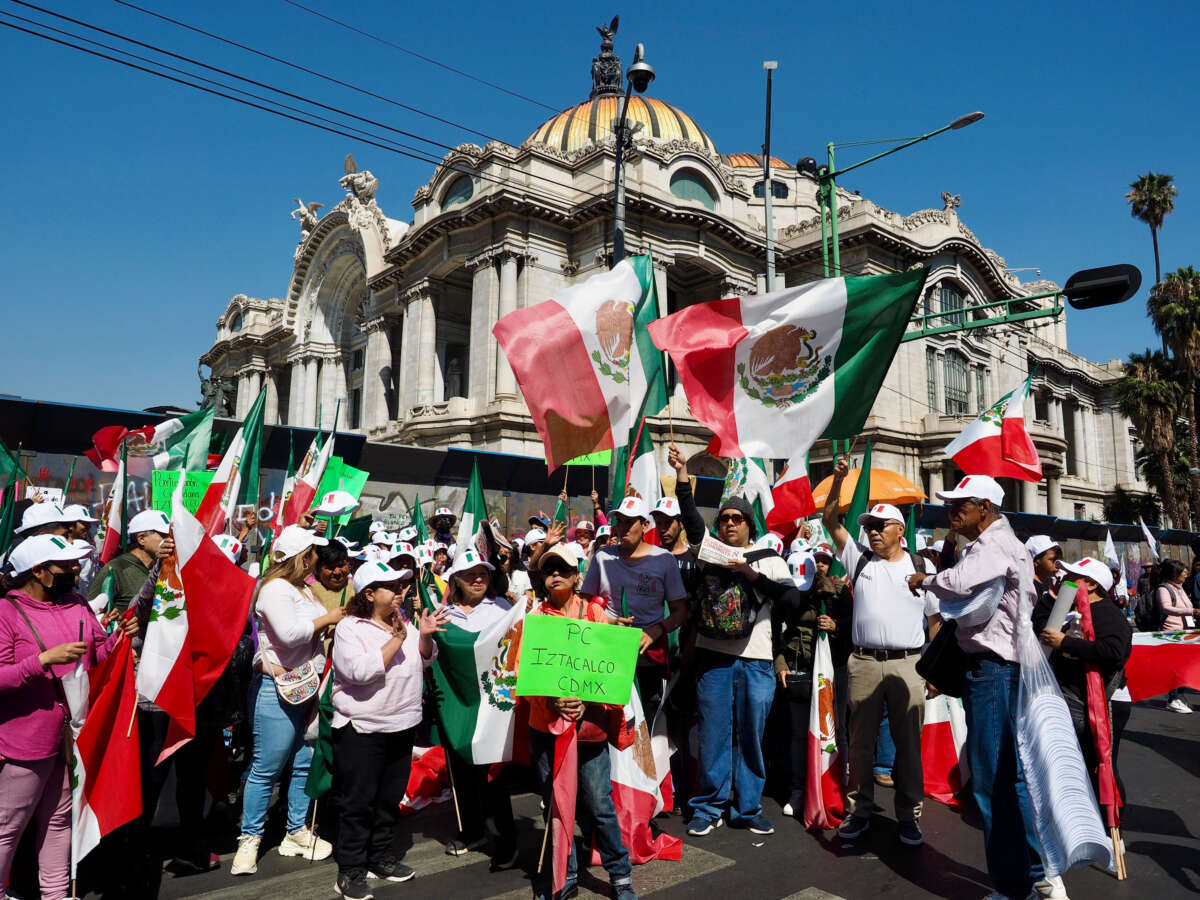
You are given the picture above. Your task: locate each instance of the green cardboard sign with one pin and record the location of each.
(340, 477)
(563, 657)
(163, 483)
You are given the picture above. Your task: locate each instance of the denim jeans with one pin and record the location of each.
(594, 811)
(990, 705)
(278, 742)
(885, 747)
(731, 694)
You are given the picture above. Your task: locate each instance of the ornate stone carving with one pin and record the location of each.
(952, 201)
(306, 215)
(360, 185)
(606, 68)
(216, 392)
(569, 267)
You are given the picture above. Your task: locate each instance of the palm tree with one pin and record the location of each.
(1174, 307)
(1150, 398)
(1151, 199)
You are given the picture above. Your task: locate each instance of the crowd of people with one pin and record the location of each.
(726, 652)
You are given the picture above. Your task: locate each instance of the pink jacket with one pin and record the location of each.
(30, 712)
(1174, 604)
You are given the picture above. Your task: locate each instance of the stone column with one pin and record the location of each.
(1029, 497)
(296, 394)
(936, 482)
(1078, 438)
(239, 405)
(311, 390)
(255, 381)
(378, 358)
(271, 412)
(506, 382)
(1056, 415)
(426, 346)
(1054, 494)
(481, 370)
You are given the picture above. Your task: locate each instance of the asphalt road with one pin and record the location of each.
(1159, 763)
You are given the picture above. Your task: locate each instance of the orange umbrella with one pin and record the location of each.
(886, 487)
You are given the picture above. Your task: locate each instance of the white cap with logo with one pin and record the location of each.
(44, 513)
(884, 511)
(533, 535)
(150, 520)
(378, 573)
(633, 507)
(468, 560)
(229, 545)
(77, 512)
(1039, 544)
(1094, 569)
(41, 549)
(336, 503)
(985, 487)
(293, 540)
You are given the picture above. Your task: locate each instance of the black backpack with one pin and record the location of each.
(1147, 614)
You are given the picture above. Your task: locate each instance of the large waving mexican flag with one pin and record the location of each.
(775, 372)
(585, 362)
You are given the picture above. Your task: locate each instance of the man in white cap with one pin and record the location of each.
(887, 633)
(993, 678)
(147, 534)
(639, 581)
(1045, 553)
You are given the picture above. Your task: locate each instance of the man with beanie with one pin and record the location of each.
(887, 634)
(735, 679)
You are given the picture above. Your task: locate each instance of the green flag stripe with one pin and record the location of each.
(252, 430)
(651, 356)
(878, 309)
(454, 673)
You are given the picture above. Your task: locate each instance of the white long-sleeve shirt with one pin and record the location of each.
(369, 696)
(285, 626)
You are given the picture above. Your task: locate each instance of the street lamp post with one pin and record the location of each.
(770, 65)
(827, 192)
(639, 76)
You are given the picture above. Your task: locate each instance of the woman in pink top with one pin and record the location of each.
(379, 662)
(45, 630)
(1176, 607)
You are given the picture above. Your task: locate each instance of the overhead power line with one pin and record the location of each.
(414, 53)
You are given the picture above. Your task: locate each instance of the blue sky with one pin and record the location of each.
(137, 208)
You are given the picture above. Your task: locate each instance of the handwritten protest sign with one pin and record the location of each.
(563, 657)
(162, 486)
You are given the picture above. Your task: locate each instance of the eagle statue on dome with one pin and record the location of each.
(606, 68)
(306, 215)
(360, 185)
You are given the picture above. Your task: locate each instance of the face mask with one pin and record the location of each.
(62, 584)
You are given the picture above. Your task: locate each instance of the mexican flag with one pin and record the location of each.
(320, 770)
(106, 787)
(824, 797)
(791, 497)
(104, 599)
(770, 374)
(746, 477)
(299, 491)
(1161, 662)
(585, 362)
(474, 517)
(997, 443)
(201, 601)
(942, 739)
(637, 469)
(179, 444)
(112, 519)
(475, 674)
(236, 479)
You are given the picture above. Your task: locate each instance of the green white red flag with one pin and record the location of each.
(824, 796)
(1163, 661)
(997, 443)
(301, 488)
(179, 444)
(746, 477)
(474, 518)
(112, 519)
(585, 362)
(637, 469)
(772, 373)
(236, 479)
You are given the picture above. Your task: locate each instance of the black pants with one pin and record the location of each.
(482, 803)
(787, 730)
(650, 689)
(372, 772)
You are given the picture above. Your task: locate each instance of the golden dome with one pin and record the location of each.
(751, 161)
(592, 121)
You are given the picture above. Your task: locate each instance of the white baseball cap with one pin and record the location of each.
(87, 547)
(803, 568)
(468, 560)
(377, 525)
(377, 573)
(922, 543)
(443, 511)
(424, 555)
(229, 545)
(41, 549)
(1098, 571)
(336, 503)
(77, 512)
(150, 520)
(824, 550)
(633, 507)
(293, 540)
(668, 506)
(44, 513)
(533, 535)
(586, 525)
(403, 548)
(770, 541)
(799, 545)
(884, 511)
(408, 534)
(350, 545)
(602, 531)
(985, 487)
(937, 546)
(1039, 544)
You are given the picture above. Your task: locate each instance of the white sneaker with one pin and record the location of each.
(245, 861)
(1050, 888)
(305, 843)
(1178, 706)
(787, 810)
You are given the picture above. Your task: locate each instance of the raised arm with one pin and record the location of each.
(693, 522)
(833, 523)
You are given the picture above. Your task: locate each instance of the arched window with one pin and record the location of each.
(688, 185)
(958, 391)
(460, 191)
(235, 323)
(950, 299)
(779, 189)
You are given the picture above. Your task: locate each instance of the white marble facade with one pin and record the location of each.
(395, 317)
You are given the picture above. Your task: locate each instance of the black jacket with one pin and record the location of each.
(1109, 651)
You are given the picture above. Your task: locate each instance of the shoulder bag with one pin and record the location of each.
(68, 736)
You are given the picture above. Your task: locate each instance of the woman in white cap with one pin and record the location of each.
(379, 660)
(288, 666)
(472, 604)
(46, 629)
